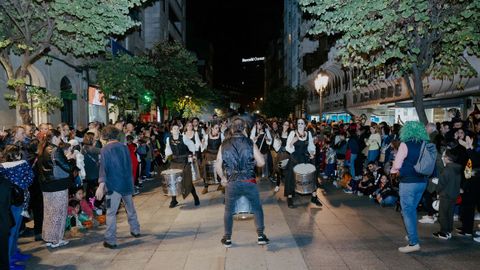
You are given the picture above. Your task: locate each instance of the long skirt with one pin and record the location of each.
(54, 215)
(187, 183)
(290, 175)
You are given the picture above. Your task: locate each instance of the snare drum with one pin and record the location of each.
(305, 181)
(243, 209)
(195, 171)
(210, 173)
(172, 181)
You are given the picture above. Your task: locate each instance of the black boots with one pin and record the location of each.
(174, 202)
(290, 202)
(316, 201)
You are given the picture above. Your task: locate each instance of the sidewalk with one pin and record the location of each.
(349, 232)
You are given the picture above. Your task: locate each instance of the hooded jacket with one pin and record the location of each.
(449, 181)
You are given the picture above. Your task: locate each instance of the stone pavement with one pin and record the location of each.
(349, 232)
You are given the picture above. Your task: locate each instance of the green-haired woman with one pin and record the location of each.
(412, 184)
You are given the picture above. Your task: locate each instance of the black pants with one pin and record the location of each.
(470, 199)
(445, 213)
(4, 222)
(36, 205)
(427, 203)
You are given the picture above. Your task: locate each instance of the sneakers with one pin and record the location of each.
(277, 188)
(56, 245)
(136, 191)
(290, 203)
(463, 233)
(477, 239)
(110, 246)
(348, 191)
(359, 194)
(226, 241)
(262, 239)
(136, 235)
(442, 235)
(204, 190)
(428, 220)
(409, 248)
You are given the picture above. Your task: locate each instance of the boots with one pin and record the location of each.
(174, 202)
(290, 202)
(316, 201)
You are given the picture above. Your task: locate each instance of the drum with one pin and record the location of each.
(195, 171)
(243, 209)
(210, 173)
(305, 181)
(172, 181)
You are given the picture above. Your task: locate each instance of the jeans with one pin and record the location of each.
(373, 155)
(353, 157)
(112, 202)
(233, 192)
(389, 201)
(410, 195)
(12, 240)
(148, 167)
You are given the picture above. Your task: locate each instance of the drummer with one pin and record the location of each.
(260, 135)
(182, 149)
(302, 150)
(211, 143)
(280, 154)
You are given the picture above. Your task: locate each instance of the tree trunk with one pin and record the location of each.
(21, 91)
(418, 97)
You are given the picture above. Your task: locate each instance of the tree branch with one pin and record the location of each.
(12, 18)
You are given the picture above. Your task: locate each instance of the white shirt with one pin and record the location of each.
(189, 143)
(268, 137)
(291, 148)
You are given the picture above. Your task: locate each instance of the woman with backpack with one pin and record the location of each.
(412, 183)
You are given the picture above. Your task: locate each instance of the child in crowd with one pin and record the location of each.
(74, 153)
(85, 206)
(448, 188)
(331, 162)
(385, 195)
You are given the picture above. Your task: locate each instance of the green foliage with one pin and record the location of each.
(392, 38)
(401, 38)
(280, 102)
(123, 79)
(177, 73)
(37, 98)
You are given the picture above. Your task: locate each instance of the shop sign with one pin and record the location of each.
(382, 93)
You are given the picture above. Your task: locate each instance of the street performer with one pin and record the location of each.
(211, 143)
(238, 154)
(302, 150)
(182, 150)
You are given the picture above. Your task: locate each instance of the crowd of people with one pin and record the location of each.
(57, 176)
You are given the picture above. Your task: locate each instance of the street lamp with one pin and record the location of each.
(321, 83)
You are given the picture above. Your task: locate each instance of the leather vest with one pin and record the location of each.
(238, 160)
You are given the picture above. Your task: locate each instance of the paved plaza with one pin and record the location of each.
(349, 232)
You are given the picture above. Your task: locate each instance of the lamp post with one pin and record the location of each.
(320, 83)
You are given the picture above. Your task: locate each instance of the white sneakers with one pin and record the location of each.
(428, 219)
(409, 248)
(56, 245)
(277, 188)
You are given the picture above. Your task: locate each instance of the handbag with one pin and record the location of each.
(58, 172)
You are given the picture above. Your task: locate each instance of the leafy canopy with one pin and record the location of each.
(123, 79)
(390, 38)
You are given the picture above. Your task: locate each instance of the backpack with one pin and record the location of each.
(427, 159)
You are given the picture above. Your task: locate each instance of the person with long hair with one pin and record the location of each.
(412, 184)
(260, 135)
(302, 150)
(55, 174)
(182, 149)
(281, 154)
(211, 143)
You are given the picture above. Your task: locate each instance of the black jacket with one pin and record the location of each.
(45, 169)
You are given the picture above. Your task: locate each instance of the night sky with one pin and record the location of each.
(235, 30)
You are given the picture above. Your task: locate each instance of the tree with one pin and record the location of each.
(32, 28)
(177, 74)
(409, 39)
(123, 79)
(280, 102)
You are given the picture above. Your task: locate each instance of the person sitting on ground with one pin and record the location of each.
(366, 186)
(385, 195)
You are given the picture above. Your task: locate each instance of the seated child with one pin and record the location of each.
(385, 195)
(85, 206)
